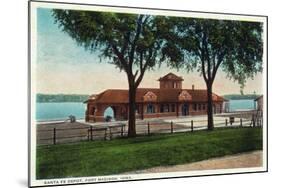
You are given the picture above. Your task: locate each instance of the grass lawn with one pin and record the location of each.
(122, 155)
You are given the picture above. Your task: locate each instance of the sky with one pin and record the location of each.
(63, 67)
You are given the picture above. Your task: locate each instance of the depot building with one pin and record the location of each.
(169, 100)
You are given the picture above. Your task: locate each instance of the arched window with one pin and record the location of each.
(185, 109)
(150, 109)
(137, 109)
(195, 107)
(166, 108)
(203, 106)
(173, 108)
(214, 109)
(161, 108)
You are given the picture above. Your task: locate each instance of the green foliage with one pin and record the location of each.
(235, 46)
(60, 98)
(129, 41)
(123, 155)
(205, 45)
(133, 43)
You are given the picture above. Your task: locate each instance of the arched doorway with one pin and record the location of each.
(109, 114)
(185, 110)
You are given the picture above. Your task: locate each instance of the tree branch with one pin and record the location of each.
(126, 42)
(141, 61)
(219, 62)
(135, 75)
(138, 31)
(203, 71)
(120, 57)
(202, 58)
(143, 69)
(207, 55)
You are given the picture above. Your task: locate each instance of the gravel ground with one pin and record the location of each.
(243, 160)
(74, 132)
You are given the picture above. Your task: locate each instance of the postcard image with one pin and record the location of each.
(122, 93)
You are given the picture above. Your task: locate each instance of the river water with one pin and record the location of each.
(61, 111)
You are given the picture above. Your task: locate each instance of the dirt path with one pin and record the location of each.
(243, 160)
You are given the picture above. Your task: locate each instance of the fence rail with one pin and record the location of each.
(92, 133)
(88, 133)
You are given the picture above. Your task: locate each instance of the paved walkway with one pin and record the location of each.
(243, 160)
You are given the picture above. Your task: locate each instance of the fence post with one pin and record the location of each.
(91, 133)
(253, 120)
(226, 122)
(241, 122)
(191, 125)
(172, 127)
(110, 134)
(54, 136)
(148, 128)
(105, 134)
(122, 127)
(88, 134)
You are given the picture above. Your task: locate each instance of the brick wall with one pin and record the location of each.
(121, 110)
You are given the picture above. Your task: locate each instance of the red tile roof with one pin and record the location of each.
(163, 95)
(171, 76)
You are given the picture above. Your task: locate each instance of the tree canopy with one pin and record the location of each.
(131, 42)
(135, 43)
(207, 45)
(235, 46)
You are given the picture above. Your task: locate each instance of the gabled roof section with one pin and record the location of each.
(114, 96)
(150, 96)
(91, 98)
(171, 76)
(200, 95)
(185, 96)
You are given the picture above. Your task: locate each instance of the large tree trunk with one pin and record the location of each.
(210, 106)
(132, 113)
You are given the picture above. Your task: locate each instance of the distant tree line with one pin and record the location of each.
(239, 97)
(61, 98)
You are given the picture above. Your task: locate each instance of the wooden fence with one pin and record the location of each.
(92, 133)
(70, 135)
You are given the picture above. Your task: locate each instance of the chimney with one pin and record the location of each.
(192, 87)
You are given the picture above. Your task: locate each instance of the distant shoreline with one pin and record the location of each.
(84, 100)
(64, 98)
(241, 97)
(60, 101)
(51, 98)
